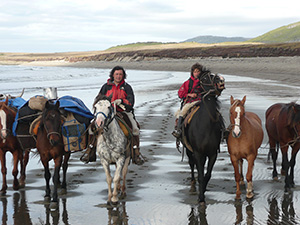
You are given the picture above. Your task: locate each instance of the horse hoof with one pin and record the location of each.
(16, 187)
(47, 198)
(53, 206)
(114, 204)
(249, 195)
(123, 195)
(63, 191)
(275, 178)
(2, 193)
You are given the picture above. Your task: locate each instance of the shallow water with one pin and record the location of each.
(159, 191)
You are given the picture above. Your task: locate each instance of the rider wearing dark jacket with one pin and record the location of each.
(121, 91)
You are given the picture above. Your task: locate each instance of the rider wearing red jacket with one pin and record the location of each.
(190, 94)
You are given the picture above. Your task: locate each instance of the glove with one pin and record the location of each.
(117, 102)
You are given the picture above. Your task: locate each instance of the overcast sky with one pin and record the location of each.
(84, 25)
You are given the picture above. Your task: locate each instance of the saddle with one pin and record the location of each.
(125, 125)
(186, 122)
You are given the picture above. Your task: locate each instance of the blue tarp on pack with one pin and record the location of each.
(15, 102)
(68, 103)
(75, 105)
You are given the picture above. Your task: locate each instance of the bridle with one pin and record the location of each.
(108, 118)
(50, 133)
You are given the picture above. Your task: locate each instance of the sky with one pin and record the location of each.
(92, 25)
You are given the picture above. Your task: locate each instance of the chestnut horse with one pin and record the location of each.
(283, 128)
(245, 137)
(8, 142)
(49, 144)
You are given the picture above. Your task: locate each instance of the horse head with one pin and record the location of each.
(237, 110)
(103, 111)
(51, 121)
(212, 84)
(7, 117)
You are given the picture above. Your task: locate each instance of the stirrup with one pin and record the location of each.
(176, 134)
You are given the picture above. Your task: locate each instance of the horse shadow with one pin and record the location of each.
(284, 215)
(20, 209)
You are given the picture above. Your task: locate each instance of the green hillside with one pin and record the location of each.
(284, 34)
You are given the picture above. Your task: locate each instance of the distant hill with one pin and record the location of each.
(209, 39)
(284, 34)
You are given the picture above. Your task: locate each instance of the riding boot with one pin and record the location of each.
(177, 133)
(137, 157)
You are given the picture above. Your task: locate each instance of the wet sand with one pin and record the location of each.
(159, 191)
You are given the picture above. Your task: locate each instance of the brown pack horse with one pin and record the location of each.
(246, 135)
(8, 142)
(50, 146)
(283, 128)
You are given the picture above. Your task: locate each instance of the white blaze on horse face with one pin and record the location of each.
(237, 121)
(3, 125)
(102, 108)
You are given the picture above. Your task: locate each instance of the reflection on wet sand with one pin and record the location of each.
(21, 213)
(239, 212)
(117, 215)
(288, 215)
(56, 214)
(197, 215)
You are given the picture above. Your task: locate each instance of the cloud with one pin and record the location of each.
(77, 25)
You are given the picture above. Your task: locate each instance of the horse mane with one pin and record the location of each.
(100, 97)
(10, 114)
(293, 113)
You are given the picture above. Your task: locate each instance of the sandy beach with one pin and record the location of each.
(283, 69)
(158, 192)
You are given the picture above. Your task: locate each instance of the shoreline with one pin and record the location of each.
(284, 69)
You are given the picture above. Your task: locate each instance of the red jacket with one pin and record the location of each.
(194, 88)
(121, 91)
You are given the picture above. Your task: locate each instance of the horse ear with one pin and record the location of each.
(57, 104)
(244, 100)
(47, 105)
(231, 100)
(6, 100)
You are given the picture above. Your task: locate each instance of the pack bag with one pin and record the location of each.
(74, 135)
(37, 102)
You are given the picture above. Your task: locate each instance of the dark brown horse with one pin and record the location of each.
(8, 142)
(283, 127)
(50, 146)
(246, 135)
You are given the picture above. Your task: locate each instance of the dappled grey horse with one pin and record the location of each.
(111, 146)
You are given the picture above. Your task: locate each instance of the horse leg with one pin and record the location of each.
(274, 153)
(108, 179)
(124, 173)
(292, 165)
(116, 180)
(192, 165)
(4, 171)
(200, 162)
(24, 163)
(235, 163)
(65, 168)
(211, 163)
(57, 162)
(286, 166)
(241, 172)
(16, 157)
(47, 176)
(250, 160)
